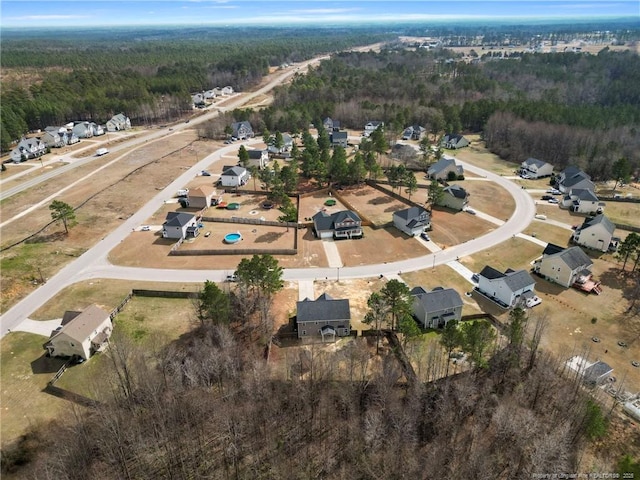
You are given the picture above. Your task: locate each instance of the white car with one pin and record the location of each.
(145, 228)
(532, 302)
(553, 200)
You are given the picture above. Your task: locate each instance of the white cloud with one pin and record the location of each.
(51, 17)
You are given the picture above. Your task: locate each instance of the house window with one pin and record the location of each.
(304, 332)
(73, 345)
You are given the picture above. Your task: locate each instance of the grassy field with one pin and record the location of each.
(489, 198)
(549, 233)
(514, 253)
(477, 154)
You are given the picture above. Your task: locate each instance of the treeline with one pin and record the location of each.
(149, 76)
(210, 407)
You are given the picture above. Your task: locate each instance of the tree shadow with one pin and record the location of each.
(380, 200)
(46, 364)
(269, 237)
(50, 237)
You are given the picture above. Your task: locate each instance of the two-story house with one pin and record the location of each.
(436, 308)
(331, 125)
(370, 127)
(242, 130)
(201, 197)
(443, 167)
(412, 221)
(234, 176)
(509, 288)
(454, 197)
(180, 225)
(325, 317)
(454, 141)
(339, 225)
(27, 149)
(580, 200)
(534, 168)
(596, 233)
(258, 158)
(339, 139)
(118, 122)
(574, 178)
(413, 132)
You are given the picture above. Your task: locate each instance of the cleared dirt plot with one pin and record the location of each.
(310, 252)
(373, 204)
(379, 246)
(315, 203)
(489, 198)
(451, 228)
(515, 253)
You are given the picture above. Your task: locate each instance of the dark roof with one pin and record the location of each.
(456, 190)
(68, 316)
(410, 213)
(610, 227)
(339, 136)
(575, 257)
(323, 221)
(417, 290)
(441, 165)
(342, 215)
(514, 279)
(440, 299)
(583, 194)
(535, 161)
(491, 273)
(551, 248)
(570, 171)
(178, 219)
(596, 371)
(234, 171)
(450, 137)
(255, 154)
(324, 308)
(576, 179)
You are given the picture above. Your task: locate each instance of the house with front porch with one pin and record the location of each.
(180, 225)
(596, 233)
(242, 130)
(53, 138)
(454, 197)
(443, 167)
(331, 125)
(569, 267)
(97, 130)
(535, 168)
(81, 334)
(27, 149)
(83, 130)
(580, 200)
(436, 308)
(454, 141)
(118, 122)
(412, 221)
(326, 318)
(508, 289)
(339, 225)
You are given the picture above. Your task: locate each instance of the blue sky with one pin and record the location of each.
(28, 13)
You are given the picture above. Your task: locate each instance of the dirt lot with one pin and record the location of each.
(312, 204)
(373, 204)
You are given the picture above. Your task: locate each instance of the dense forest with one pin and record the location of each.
(564, 108)
(55, 77)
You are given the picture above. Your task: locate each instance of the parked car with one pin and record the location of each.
(553, 200)
(546, 197)
(425, 236)
(145, 228)
(554, 191)
(232, 278)
(207, 234)
(471, 211)
(205, 173)
(475, 277)
(532, 302)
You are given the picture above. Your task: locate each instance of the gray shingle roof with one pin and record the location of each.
(456, 190)
(584, 194)
(596, 371)
(575, 257)
(410, 213)
(339, 136)
(440, 165)
(255, 154)
(324, 308)
(84, 324)
(535, 161)
(234, 171)
(610, 227)
(178, 219)
(439, 299)
(514, 279)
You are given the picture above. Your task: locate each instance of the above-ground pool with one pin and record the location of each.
(232, 237)
(330, 202)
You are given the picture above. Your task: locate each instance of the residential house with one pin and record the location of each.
(574, 178)
(592, 373)
(443, 167)
(325, 317)
(82, 334)
(228, 90)
(455, 197)
(338, 139)
(198, 100)
(331, 125)
(580, 200)
(370, 127)
(569, 267)
(53, 138)
(96, 129)
(66, 133)
(412, 221)
(209, 95)
(27, 149)
(507, 289)
(535, 168)
(413, 132)
(201, 197)
(180, 225)
(118, 122)
(258, 158)
(343, 224)
(454, 141)
(83, 129)
(436, 308)
(234, 176)
(596, 233)
(287, 144)
(242, 130)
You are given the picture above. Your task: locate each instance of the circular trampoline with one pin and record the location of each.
(330, 202)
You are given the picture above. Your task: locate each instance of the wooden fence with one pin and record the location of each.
(237, 251)
(250, 221)
(163, 293)
(366, 221)
(386, 191)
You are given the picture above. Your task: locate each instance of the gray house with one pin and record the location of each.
(435, 308)
(574, 178)
(441, 169)
(454, 141)
(338, 139)
(180, 225)
(330, 125)
(27, 149)
(412, 221)
(455, 197)
(596, 233)
(507, 289)
(343, 224)
(413, 132)
(325, 317)
(242, 130)
(371, 126)
(118, 122)
(535, 168)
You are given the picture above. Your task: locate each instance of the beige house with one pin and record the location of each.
(81, 335)
(564, 266)
(201, 197)
(455, 197)
(596, 233)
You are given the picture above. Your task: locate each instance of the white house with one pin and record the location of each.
(27, 149)
(180, 225)
(234, 176)
(564, 266)
(82, 334)
(228, 90)
(535, 168)
(509, 288)
(596, 233)
(209, 95)
(580, 200)
(97, 129)
(412, 221)
(370, 127)
(413, 132)
(83, 130)
(118, 122)
(436, 308)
